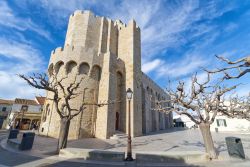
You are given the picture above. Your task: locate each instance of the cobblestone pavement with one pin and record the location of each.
(179, 140)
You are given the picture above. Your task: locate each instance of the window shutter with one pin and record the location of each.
(217, 122)
(225, 123)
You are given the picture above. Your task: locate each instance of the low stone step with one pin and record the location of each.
(120, 134)
(92, 154)
(171, 157)
(117, 136)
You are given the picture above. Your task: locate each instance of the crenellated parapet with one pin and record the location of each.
(99, 33)
(148, 83)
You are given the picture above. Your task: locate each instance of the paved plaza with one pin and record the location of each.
(178, 140)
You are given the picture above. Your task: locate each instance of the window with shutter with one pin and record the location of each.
(217, 122)
(221, 123)
(225, 123)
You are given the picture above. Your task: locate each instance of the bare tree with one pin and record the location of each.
(242, 65)
(62, 95)
(237, 107)
(201, 104)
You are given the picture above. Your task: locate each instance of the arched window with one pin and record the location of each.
(45, 113)
(96, 73)
(51, 69)
(84, 68)
(48, 111)
(70, 66)
(119, 78)
(58, 66)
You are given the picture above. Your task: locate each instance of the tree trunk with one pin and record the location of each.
(208, 141)
(63, 134)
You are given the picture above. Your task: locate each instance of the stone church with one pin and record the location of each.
(107, 55)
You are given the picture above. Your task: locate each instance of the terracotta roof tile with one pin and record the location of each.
(40, 100)
(25, 101)
(2, 101)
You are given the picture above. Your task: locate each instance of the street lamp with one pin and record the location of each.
(129, 147)
(23, 109)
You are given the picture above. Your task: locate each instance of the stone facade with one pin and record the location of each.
(107, 55)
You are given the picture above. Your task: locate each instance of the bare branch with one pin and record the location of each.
(231, 62)
(238, 64)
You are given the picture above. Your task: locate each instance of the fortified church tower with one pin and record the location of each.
(107, 54)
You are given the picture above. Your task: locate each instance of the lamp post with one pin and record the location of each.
(129, 147)
(21, 120)
(23, 109)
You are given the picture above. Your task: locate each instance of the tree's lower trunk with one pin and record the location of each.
(63, 134)
(208, 141)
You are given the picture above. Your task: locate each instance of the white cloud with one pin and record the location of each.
(230, 27)
(13, 87)
(150, 66)
(9, 19)
(161, 26)
(181, 67)
(20, 58)
(243, 90)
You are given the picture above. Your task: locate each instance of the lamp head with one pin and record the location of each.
(129, 94)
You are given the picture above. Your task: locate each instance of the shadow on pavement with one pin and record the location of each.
(13, 159)
(175, 129)
(220, 146)
(89, 143)
(76, 163)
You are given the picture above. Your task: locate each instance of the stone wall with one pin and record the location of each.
(154, 120)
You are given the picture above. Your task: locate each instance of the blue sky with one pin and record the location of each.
(178, 37)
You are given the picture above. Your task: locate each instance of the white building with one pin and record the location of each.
(221, 123)
(5, 109)
(26, 112)
(225, 124)
(183, 121)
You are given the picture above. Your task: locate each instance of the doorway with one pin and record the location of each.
(117, 121)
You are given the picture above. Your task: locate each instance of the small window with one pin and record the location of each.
(221, 123)
(96, 73)
(46, 113)
(70, 66)
(51, 69)
(24, 108)
(84, 68)
(58, 66)
(4, 109)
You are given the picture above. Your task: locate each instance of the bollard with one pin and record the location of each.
(235, 147)
(27, 141)
(13, 134)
